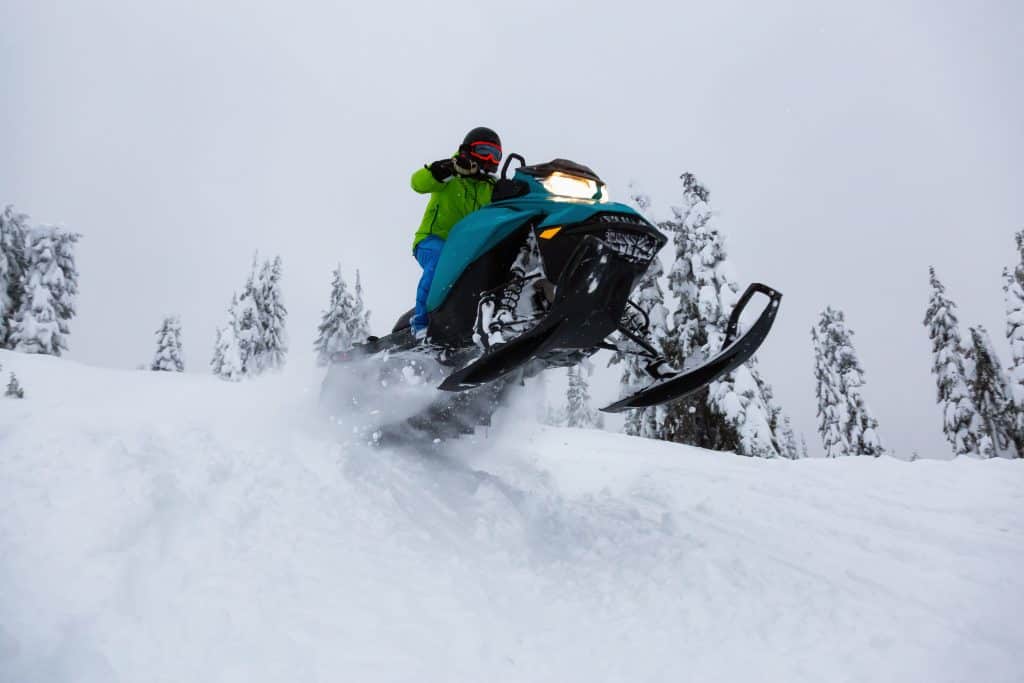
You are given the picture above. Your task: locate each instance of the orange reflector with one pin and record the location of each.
(550, 232)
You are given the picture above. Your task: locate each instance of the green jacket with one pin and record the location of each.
(450, 201)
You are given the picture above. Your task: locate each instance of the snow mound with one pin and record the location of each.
(169, 527)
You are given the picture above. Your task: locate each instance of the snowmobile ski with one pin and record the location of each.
(736, 352)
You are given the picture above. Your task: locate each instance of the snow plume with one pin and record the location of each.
(960, 420)
(168, 347)
(734, 413)
(990, 392)
(43, 319)
(835, 353)
(344, 323)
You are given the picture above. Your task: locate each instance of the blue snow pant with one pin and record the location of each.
(427, 253)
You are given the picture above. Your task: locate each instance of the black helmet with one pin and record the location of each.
(483, 146)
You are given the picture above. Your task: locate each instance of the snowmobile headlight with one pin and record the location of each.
(574, 187)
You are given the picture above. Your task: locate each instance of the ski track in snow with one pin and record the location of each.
(164, 527)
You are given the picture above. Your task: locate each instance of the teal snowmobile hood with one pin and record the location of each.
(483, 229)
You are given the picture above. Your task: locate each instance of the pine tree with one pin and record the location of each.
(960, 420)
(651, 300)
(272, 315)
(829, 400)
(51, 283)
(13, 263)
(227, 355)
(858, 425)
(361, 315)
(14, 389)
(168, 347)
(344, 323)
(733, 413)
(1013, 290)
(991, 395)
(804, 453)
(790, 449)
(578, 412)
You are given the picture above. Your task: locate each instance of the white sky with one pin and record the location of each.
(846, 149)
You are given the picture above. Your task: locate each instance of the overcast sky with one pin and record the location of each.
(846, 148)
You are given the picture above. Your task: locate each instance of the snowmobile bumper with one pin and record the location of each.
(590, 298)
(735, 352)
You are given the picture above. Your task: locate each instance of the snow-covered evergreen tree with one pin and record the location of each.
(649, 296)
(804, 453)
(272, 315)
(991, 395)
(362, 315)
(227, 355)
(790, 448)
(168, 356)
(14, 389)
(344, 323)
(830, 403)
(960, 420)
(1013, 290)
(13, 262)
(858, 425)
(578, 410)
(51, 284)
(732, 413)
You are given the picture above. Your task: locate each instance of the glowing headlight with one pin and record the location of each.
(565, 185)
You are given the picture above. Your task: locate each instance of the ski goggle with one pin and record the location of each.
(485, 151)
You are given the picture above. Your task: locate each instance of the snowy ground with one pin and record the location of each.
(158, 527)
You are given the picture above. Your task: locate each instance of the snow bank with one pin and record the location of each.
(166, 527)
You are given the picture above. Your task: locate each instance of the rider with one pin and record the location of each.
(457, 187)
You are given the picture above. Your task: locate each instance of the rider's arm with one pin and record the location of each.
(423, 181)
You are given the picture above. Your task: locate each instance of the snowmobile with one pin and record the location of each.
(539, 278)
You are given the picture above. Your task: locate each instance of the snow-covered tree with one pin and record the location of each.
(831, 407)
(732, 413)
(578, 410)
(1013, 290)
(247, 334)
(790, 448)
(960, 420)
(344, 323)
(272, 315)
(858, 425)
(650, 298)
(362, 315)
(991, 395)
(51, 284)
(14, 229)
(14, 389)
(227, 355)
(260, 315)
(804, 453)
(168, 346)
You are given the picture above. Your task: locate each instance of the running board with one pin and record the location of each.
(735, 353)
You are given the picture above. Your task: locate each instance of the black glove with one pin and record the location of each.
(442, 170)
